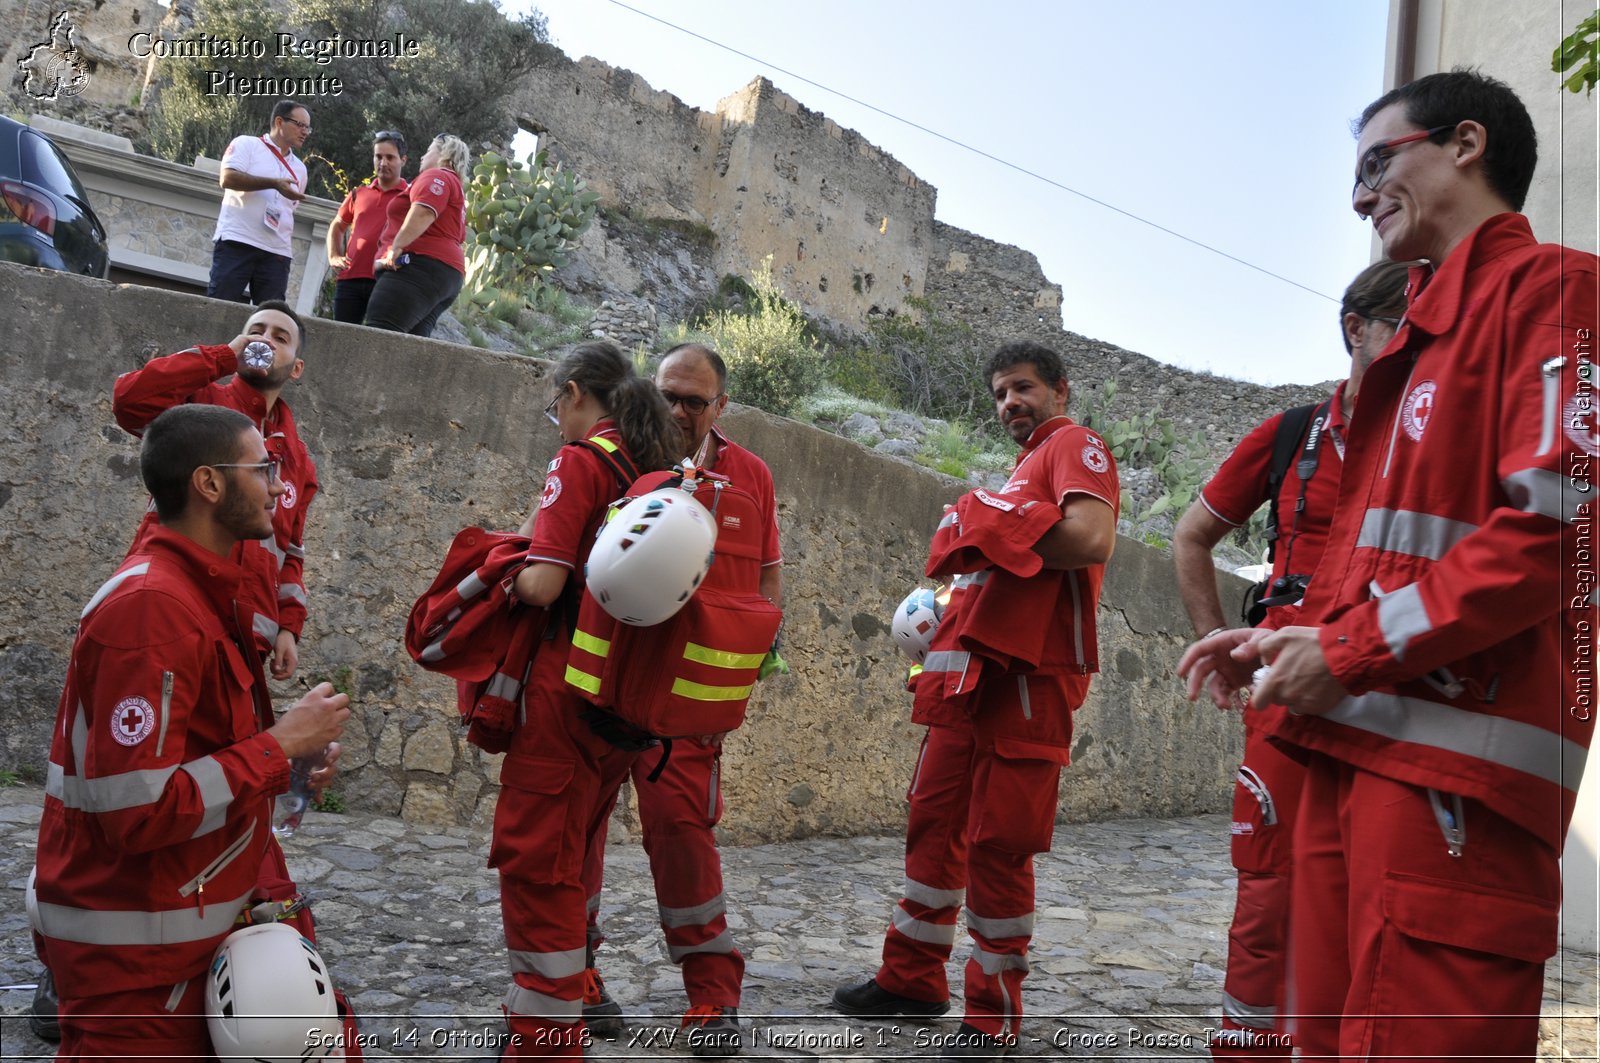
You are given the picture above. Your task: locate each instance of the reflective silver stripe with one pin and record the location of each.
(947, 661)
(947, 520)
(1257, 788)
(435, 650)
(722, 943)
(216, 795)
(1547, 492)
(594, 903)
(271, 546)
(929, 897)
(1022, 695)
(80, 735)
(970, 579)
(265, 626)
(1406, 531)
(111, 793)
(470, 587)
(293, 592)
(1017, 926)
(1257, 1017)
(995, 962)
(112, 584)
(503, 686)
(176, 996)
(917, 930)
(1495, 739)
(520, 1001)
(297, 550)
(566, 964)
(1402, 616)
(698, 915)
(139, 928)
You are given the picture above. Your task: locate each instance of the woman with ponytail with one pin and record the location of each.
(559, 777)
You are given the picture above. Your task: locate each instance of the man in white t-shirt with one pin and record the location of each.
(263, 181)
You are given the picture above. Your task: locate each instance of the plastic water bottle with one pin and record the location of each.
(258, 355)
(291, 807)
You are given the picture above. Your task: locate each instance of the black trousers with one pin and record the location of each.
(350, 299)
(411, 298)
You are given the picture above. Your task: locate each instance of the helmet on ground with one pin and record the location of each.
(269, 998)
(915, 621)
(651, 556)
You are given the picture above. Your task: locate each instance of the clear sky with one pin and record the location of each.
(1228, 122)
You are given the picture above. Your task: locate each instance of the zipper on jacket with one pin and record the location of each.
(1452, 821)
(166, 711)
(1258, 789)
(197, 885)
(1399, 411)
(1022, 696)
(1077, 622)
(1550, 369)
(711, 791)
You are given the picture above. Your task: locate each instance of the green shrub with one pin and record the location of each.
(772, 360)
(526, 219)
(931, 365)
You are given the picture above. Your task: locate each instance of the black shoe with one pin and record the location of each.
(969, 1042)
(714, 1030)
(43, 1017)
(871, 1001)
(601, 1014)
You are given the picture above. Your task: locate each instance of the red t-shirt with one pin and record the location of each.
(439, 189)
(365, 211)
(1239, 488)
(578, 487)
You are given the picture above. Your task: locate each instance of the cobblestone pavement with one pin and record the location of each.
(1127, 961)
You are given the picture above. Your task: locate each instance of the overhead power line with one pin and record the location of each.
(1052, 182)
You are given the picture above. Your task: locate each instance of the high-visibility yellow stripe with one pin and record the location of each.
(603, 443)
(583, 680)
(916, 670)
(701, 692)
(591, 643)
(721, 658)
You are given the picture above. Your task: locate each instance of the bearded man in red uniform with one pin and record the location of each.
(166, 758)
(1432, 684)
(1008, 666)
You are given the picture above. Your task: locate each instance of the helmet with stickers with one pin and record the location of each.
(651, 556)
(269, 998)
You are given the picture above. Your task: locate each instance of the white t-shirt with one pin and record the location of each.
(264, 218)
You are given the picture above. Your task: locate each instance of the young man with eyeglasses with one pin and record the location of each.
(262, 182)
(1436, 686)
(1266, 795)
(679, 808)
(361, 217)
(166, 755)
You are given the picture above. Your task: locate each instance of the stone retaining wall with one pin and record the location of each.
(415, 439)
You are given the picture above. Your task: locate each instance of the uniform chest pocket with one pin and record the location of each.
(235, 680)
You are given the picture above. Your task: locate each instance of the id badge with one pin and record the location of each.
(270, 218)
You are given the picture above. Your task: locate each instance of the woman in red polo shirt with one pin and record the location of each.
(421, 255)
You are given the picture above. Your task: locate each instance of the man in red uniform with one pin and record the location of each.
(276, 587)
(361, 217)
(1442, 695)
(166, 757)
(1009, 664)
(680, 807)
(1266, 796)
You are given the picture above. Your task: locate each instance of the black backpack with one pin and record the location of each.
(1295, 433)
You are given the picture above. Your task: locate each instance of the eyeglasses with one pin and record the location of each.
(694, 405)
(1376, 160)
(306, 126)
(550, 410)
(1392, 322)
(267, 468)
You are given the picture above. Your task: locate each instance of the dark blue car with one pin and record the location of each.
(45, 217)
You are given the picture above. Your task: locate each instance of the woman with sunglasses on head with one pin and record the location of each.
(559, 776)
(422, 259)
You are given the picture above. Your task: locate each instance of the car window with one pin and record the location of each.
(43, 164)
(10, 165)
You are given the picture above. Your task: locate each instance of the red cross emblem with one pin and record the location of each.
(1418, 409)
(132, 720)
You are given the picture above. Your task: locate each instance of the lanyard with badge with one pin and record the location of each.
(271, 217)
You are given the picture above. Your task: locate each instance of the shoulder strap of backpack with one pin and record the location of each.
(1285, 445)
(613, 457)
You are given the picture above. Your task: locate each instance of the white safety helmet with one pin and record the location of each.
(650, 557)
(915, 621)
(269, 998)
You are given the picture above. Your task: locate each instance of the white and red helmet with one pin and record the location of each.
(269, 998)
(915, 620)
(651, 556)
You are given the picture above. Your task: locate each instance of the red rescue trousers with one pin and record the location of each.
(676, 814)
(976, 821)
(557, 785)
(1400, 949)
(1266, 800)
